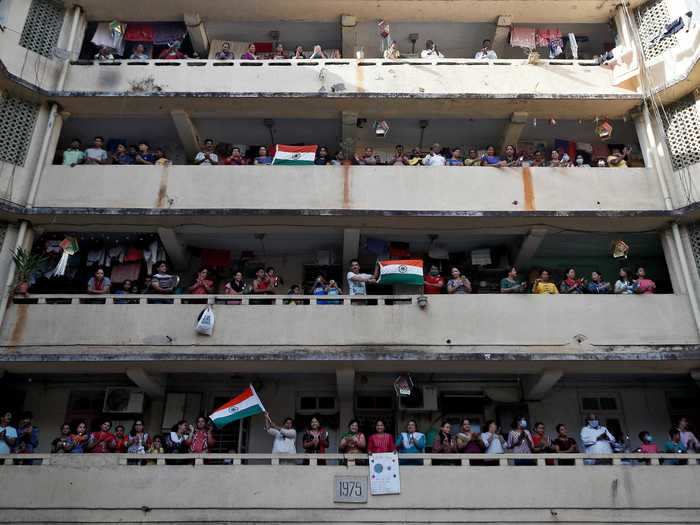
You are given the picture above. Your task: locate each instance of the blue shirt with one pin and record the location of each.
(263, 160)
(410, 443)
(491, 160)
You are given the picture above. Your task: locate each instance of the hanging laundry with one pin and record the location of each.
(399, 249)
(52, 247)
(139, 32)
(150, 254)
(133, 254)
(215, 258)
(522, 37)
(165, 33)
(377, 247)
(585, 147)
(69, 245)
(96, 257)
(105, 36)
(124, 272)
(556, 47)
(115, 253)
(543, 36)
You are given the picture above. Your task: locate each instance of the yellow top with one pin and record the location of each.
(544, 288)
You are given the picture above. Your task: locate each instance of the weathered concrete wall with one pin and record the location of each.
(352, 188)
(512, 78)
(532, 323)
(85, 488)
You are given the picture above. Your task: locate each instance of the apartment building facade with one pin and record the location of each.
(69, 356)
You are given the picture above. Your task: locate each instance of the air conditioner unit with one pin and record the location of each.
(123, 400)
(422, 399)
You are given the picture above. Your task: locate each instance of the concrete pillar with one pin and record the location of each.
(187, 132)
(530, 245)
(672, 261)
(151, 384)
(351, 246)
(78, 25)
(345, 379)
(500, 37)
(514, 129)
(348, 35)
(348, 133)
(174, 248)
(198, 34)
(154, 416)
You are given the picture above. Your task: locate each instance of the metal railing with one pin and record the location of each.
(214, 299)
(349, 62)
(350, 460)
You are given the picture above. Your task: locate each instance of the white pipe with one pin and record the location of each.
(71, 48)
(41, 161)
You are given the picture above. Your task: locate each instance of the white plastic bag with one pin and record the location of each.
(205, 321)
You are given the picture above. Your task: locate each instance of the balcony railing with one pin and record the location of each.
(548, 460)
(261, 488)
(348, 77)
(357, 188)
(159, 325)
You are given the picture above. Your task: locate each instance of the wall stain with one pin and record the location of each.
(19, 326)
(163, 189)
(360, 78)
(346, 186)
(528, 190)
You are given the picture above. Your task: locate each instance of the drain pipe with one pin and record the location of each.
(660, 169)
(77, 11)
(24, 232)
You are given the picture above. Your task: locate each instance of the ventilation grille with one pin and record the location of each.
(42, 26)
(683, 132)
(17, 119)
(652, 18)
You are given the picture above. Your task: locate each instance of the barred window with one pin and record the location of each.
(42, 26)
(683, 132)
(17, 120)
(652, 18)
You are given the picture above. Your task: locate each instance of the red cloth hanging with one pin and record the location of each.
(398, 250)
(124, 272)
(133, 254)
(215, 258)
(139, 32)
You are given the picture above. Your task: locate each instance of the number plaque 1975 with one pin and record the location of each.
(350, 489)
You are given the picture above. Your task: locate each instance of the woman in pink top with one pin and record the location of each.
(380, 441)
(642, 284)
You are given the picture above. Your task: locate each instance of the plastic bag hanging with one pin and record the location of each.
(205, 322)
(70, 247)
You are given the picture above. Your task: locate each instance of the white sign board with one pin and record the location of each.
(384, 474)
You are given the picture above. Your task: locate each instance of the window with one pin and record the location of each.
(599, 404)
(17, 119)
(42, 27)
(316, 403)
(374, 402)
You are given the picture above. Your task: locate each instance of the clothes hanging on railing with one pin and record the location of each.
(522, 37)
(139, 32)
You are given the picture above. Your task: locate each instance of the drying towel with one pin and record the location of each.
(215, 258)
(522, 37)
(133, 254)
(123, 272)
(105, 37)
(139, 32)
(543, 36)
(167, 32)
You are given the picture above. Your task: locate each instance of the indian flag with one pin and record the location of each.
(243, 405)
(295, 155)
(408, 271)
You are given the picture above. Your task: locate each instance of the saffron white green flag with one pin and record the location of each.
(295, 155)
(243, 405)
(403, 271)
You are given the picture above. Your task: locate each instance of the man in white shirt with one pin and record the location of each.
(207, 157)
(8, 434)
(97, 154)
(285, 437)
(688, 439)
(434, 158)
(431, 50)
(486, 51)
(596, 438)
(357, 282)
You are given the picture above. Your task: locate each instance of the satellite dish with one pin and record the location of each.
(60, 54)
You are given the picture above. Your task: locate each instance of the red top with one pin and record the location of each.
(434, 284)
(380, 443)
(122, 444)
(104, 442)
(200, 289)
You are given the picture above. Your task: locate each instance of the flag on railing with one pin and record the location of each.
(402, 271)
(242, 406)
(295, 155)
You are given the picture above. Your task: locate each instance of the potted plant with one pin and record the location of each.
(26, 264)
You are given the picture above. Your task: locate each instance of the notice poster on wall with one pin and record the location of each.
(384, 474)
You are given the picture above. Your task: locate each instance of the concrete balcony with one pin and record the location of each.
(343, 189)
(491, 328)
(92, 488)
(481, 87)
